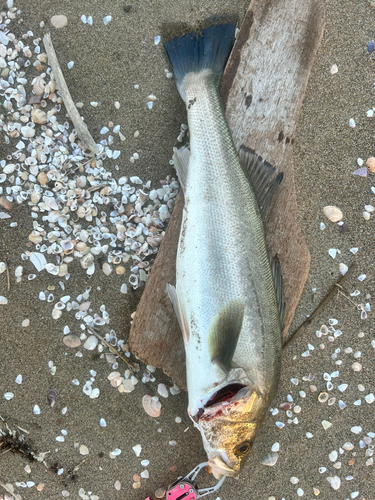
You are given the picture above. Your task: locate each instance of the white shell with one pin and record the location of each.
(268, 459)
(36, 410)
(3, 300)
(72, 341)
(162, 390)
(8, 396)
(38, 260)
(59, 21)
(335, 482)
(151, 405)
(83, 450)
(137, 449)
(332, 213)
(38, 85)
(91, 343)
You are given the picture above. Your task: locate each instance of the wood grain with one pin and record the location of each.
(262, 91)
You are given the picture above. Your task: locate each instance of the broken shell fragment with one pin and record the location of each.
(332, 213)
(268, 459)
(151, 405)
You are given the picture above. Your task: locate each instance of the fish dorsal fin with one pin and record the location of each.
(278, 282)
(224, 333)
(260, 175)
(181, 163)
(172, 294)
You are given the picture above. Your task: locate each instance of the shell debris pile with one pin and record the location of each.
(80, 211)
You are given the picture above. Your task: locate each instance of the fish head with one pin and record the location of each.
(229, 427)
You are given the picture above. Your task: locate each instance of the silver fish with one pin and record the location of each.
(225, 296)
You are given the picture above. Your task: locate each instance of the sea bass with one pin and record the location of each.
(228, 296)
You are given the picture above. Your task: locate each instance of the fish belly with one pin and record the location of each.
(222, 254)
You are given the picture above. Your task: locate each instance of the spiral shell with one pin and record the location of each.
(39, 116)
(39, 85)
(370, 164)
(51, 397)
(332, 213)
(151, 405)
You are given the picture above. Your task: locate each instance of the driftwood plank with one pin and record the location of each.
(262, 90)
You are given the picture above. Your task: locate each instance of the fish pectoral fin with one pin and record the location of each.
(261, 177)
(172, 294)
(224, 333)
(181, 163)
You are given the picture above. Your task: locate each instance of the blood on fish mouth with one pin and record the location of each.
(226, 394)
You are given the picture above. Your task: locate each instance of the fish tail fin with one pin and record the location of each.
(194, 52)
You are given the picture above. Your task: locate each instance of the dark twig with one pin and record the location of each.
(323, 303)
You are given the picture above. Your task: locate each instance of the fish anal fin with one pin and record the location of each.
(172, 294)
(278, 282)
(224, 333)
(181, 163)
(261, 176)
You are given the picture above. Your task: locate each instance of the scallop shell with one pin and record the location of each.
(59, 21)
(51, 397)
(332, 213)
(39, 116)
(38, 85)
(370, 164)
(151, 405)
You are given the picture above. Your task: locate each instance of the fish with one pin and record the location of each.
(228, 296)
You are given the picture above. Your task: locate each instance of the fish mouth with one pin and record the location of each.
(223, 397)
(220, 468)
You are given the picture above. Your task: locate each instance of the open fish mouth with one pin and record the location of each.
(220, 468)
(228, 395)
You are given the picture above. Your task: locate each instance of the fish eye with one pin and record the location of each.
(243, 449)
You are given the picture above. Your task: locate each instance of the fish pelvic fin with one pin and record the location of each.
(260, 174)
(224, 333)
(181, 163)
(172, 294)
(194, 52)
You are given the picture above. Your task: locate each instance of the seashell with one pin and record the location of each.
(332, 213)
(51, 397)
(39, 116)
(124, 288)
(42, 178)
(269, 459)
(343, 268)
(38, 260)
(5, 203)
(83, 450)
(36, 410)
(35, 197)
(357, 367)
(162, 390)
(370, 164)
(72, 341)
(56, 313)
(335, 482)
(81, 212)
(151, 405)
(8, 396)
(27, 132)
(137, 448)
(35, 237)
(87, 261)
(9, 169)
(322, 398)
(107, 269)
(81, 246)
(120, 270)
(106, 20)
(38, 85)
(91, 343)
(59, 21)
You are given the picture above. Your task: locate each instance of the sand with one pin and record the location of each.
(108, 62)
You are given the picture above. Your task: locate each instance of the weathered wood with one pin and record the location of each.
(80, 126)
(262, 89)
